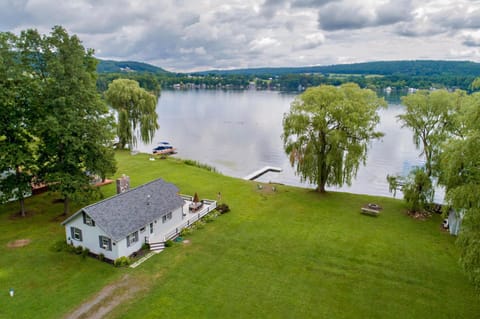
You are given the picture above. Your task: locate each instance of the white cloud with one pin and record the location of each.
(471, 38)
(466, 54)
(183, 35)
(264, 43)
(348, 14)
(310, 41)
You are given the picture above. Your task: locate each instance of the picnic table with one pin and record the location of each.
(370, 211)
(195, 206)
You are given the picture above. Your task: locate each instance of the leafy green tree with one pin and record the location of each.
(460, 164)
(418, 190)
(460, 174)
(475, 84)
(433, 117)
(136, 111)
(19, 91)
(327, 131)
(427, 115)
(75, 126)
(468, 240)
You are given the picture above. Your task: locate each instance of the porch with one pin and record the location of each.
(191, 212)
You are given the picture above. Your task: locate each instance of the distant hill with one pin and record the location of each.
(408, 68)
(110, 66)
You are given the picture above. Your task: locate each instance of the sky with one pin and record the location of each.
(198, 35)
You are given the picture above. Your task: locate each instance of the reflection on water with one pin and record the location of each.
(238, 132)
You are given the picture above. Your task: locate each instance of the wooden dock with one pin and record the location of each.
(262, 171)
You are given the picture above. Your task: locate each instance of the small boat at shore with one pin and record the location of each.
(164, 148)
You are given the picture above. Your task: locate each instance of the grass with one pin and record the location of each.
(46, 283)
(285, 254)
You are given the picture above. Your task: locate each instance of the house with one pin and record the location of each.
(13, 194)
(120, 225)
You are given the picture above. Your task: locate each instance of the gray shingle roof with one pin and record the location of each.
(125, 213)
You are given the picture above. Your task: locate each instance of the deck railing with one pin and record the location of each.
(209, 206)
(186, 197)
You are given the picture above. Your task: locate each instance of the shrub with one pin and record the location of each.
(200, 165)
(223, 208)
(146, 246)
(208, 218)
(101, 257)
(186, 232)
(169, 243)
(215, 213)
(85, 252)
(199, 224)
(78, 250)
(71, 249)
(418, 190)
(60, 245)
(121, 261)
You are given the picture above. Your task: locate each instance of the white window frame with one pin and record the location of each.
(166, 217)
(88, 220)
(142, 229)
(106, 243)
(76, 234)
(132, 238)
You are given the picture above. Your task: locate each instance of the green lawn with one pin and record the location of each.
(286, 254)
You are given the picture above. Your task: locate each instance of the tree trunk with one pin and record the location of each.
(21, 199)
(65, 205)
(428, 159)
(321, 188)
(322, 177)
(22, 206)
(322, 166)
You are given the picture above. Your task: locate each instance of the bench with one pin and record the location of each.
(369, 211)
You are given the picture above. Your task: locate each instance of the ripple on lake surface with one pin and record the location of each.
(239, 132)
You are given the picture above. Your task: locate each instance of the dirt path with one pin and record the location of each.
(107, 299)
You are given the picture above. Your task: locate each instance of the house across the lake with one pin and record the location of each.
(119, 226)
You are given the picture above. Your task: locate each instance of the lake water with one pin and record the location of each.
(238, 132)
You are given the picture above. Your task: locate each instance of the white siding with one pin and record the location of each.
(123, 250)
(90, 237)
(160, 229)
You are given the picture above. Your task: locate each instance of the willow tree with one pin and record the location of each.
(327, 131)
(136, 111)
(428, 116)
(460, 174)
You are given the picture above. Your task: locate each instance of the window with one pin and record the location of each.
(142, 229)
(76, 233)
(151, 228)
(105, 242)
(132, 238)
(87, 220)
(167, 217)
